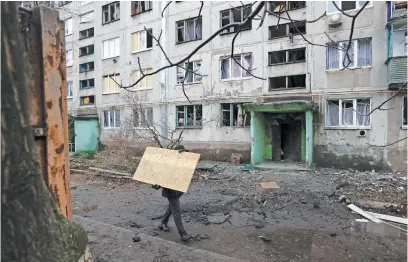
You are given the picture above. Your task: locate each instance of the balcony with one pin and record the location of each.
(397, 71)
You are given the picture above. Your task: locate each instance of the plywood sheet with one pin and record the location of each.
(167, 168)
(268, 185)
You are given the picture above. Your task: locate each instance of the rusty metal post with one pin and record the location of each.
(44, 38)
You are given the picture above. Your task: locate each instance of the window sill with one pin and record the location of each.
(189, 84)
(347, 127)
(277, 13)
(143, 50)
(86, 88)
(351, 68)
(404, 127)
(141, 12)
(110, 22)
(70, 65)
(287, 63)
(85, 22)
(277, 37)
(70, 97)
(110, 128)
(112, 57)
(286, 88)
(85, 55)
(189, 127)
(85, 38)
(86, 71)
(90, 105)
(235, 126)
(111, 93)
(68, 34)
(140, 89)
(351, 10)
(198, 39)
(234, 32)
(236, 79)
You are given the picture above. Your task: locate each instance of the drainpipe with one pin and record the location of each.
(163, 82)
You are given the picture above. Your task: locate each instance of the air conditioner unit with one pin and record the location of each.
(335, 21)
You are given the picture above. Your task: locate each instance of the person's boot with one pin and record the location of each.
(164, 227)
(185, 237)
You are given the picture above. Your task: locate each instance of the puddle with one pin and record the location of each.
(385, 230)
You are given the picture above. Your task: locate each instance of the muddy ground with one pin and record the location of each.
(303, 220)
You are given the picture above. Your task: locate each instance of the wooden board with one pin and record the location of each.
(364, 213)
(268, 185)
(399, 220)
(167, 168)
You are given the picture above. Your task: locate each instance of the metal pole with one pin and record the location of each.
(163, 80)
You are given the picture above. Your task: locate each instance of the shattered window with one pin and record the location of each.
(348, 113)
(234, 115)
(141, 6)
(111, 118)
(189, 116)
(332, 113)
(293, 81)
(233, 69)
(189, 29)
(193, 74)
(111, 12)
(363, 109)
(236, 15)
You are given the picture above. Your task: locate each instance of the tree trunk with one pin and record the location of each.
(32, 227)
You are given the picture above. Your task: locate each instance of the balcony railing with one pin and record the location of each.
(397, 71)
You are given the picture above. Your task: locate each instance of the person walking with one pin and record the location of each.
(173, 196)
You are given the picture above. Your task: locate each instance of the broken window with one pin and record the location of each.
(283, 30)
(87, 17)
(233, 69)
(110, 12)
(236, 15)
(141, 6)
(68, 26)
(111, 84)
(346, 6)
(87, 100)
(189, 116)
(189, 30)
(69, 58)
(86, 50)
(86, 33)
(282, 6)
(193, 68)
(234, 115)
(146, 82)
(143, 117)
(287, 56)
(293, 81)
(86, 67)
(359, 54)
(70, 93)
(87, 83)
(111, 118)
(142, 40)
(348, 113)
(404, 111)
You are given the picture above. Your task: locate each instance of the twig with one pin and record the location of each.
(164, 9)
(393, 143)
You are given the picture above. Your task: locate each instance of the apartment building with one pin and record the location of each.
(307, 108)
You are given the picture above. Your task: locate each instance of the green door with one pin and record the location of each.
(86, 135)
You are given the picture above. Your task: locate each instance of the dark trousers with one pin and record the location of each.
(174, 208)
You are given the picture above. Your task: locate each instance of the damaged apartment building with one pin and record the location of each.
(306, 109)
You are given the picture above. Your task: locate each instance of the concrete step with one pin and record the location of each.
(110, 243)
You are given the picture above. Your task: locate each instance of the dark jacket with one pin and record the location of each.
(170, 193)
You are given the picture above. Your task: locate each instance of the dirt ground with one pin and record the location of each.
(303, 220)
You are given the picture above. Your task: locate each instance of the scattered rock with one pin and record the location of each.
(333, 234)
(136, 238)
(348, 201)
(342, 199)
(316, 205)
(332, 194)
(155, 233)
(156, 217)
(264, 238)
(260, 225)
(303, 201)
(341, 185)
(203, 236)
(236, 158)
(217, 218)
(136, 225)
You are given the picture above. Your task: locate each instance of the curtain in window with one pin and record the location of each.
(189, 74)
(197, 65)
(111, 118)
(347, 116)
(236, 68)
(332, 57)
(363, 108)
(180, 32)
(198, 31)
(247, 63)
(225, 68)
(332, 113)
(348, 61)
(190, 30)
(364, 52)
(142, 39)
(106, 118)
(117, 118)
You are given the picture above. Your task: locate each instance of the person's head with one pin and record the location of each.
(179, 147)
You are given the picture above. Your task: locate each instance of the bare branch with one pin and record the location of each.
(383, 103)
(390, 144)
(164, 9)
(199, 12)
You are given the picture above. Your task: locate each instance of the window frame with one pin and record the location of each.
(341, 55)
(196, 20)
(145, 116)
(185, 113)
(88, 83)
(339, 4)
(114, 119)
(287, 81)
(70, 89)
(87, 48)
(287, 56)
(287, 29)
(80, 101)
(88, 65)
(103, 48)
(286, 6)
(116, 90)
(230, 66)
(145, 79)
(146, 34)
(84, 14)
(87, 33)
(109, 14)
(72, 58)
(133, 8)
(68, 21)
(242, 8)
(231, 113)
(404, 103)
(194, 75)
(355, 125)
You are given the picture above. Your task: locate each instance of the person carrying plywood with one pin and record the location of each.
(173, 196)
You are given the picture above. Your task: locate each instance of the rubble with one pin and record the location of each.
(217, 218)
